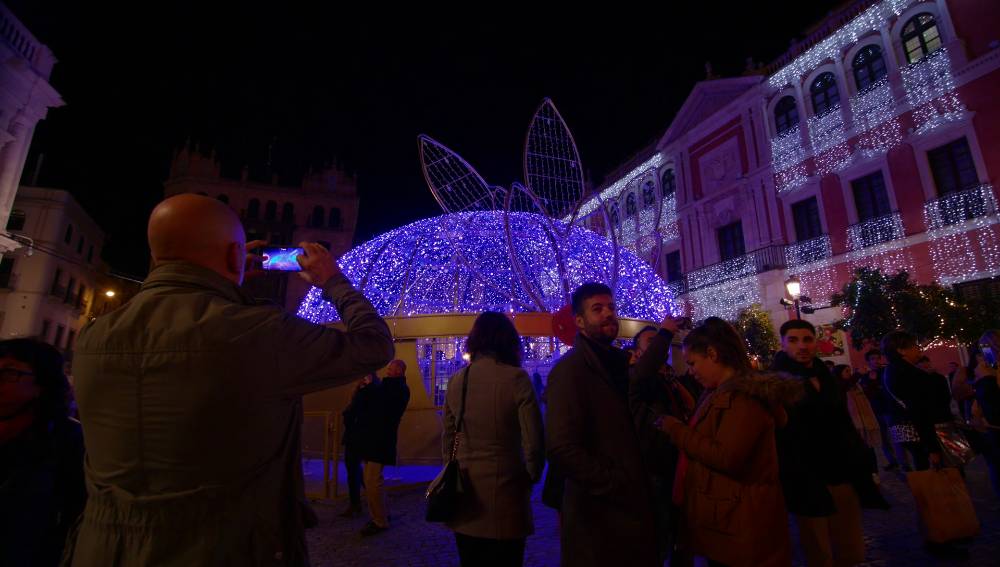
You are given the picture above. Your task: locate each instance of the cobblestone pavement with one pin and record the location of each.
(891, 537)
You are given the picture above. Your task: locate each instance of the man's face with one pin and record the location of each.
(599, 320)
(800, 345)
(876, 362)
(17, 386)
(395, 370)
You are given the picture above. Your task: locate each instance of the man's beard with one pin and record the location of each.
(601, 333)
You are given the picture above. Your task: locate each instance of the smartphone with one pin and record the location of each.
(989, 356)
(281, 259)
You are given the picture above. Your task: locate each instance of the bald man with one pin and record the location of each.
(190, 398)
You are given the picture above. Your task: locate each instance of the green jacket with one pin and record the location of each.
(190, 398)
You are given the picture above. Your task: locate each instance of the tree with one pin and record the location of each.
(758, 331)
(875, 303)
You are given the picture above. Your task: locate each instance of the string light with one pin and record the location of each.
(725, 300)
(874, 111)
(788, 156)
(832, 47)
(460, 263)
(958, 225)
(801, 256)
(615, 189)
(828, 138)
(930, 90)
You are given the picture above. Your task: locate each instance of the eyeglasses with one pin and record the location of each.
(15, 376)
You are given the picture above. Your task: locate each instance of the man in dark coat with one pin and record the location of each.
(354, 415)
(380, 430)
(607, 516)
(823, 467)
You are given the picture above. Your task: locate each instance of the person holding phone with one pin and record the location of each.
(190, 397)
(988, 402)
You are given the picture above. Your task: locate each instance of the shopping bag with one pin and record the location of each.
(946, 512)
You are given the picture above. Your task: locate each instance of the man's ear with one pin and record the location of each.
(235, 260)
(580, 323)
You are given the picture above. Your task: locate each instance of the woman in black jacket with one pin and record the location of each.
(916, 398)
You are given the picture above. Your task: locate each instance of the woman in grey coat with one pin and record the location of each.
(501, 447)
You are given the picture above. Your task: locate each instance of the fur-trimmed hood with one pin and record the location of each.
(774, 391)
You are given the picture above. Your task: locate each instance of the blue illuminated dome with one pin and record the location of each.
(462, 263)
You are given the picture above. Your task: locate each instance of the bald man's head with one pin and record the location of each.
(199, 230)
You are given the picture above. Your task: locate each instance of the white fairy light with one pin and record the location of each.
(725, 300)
(788, 156)
(828, 138)
(831, 47)
(930, 91)
(612, 191)
(874, 112)
(803, 256)
(959, 225)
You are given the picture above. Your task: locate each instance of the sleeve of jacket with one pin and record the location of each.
(644, 377)
(564, 436)
(314, 357)
(529, 415)
(741, 426)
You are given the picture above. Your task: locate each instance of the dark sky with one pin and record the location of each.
(328, 85)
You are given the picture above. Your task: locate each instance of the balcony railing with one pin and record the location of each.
(756, 262)
(808, 251)
(954, 208)
(875, 231)
(679, 287)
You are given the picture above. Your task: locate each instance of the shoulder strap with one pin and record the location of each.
(461, 409)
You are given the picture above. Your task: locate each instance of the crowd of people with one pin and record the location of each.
(190, 398)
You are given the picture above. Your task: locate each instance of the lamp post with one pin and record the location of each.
(793, 286)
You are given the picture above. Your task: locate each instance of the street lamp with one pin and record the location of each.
(793, 286)
(110, 293)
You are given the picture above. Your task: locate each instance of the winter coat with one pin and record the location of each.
(733, 503)
(354, 415)
(920, 398)
(501, 452)
(591, 443)
(819, 446)
(41, 492)
(863, 417)
(191, 401)
(379, 427)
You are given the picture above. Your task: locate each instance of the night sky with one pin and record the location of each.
(324, 86)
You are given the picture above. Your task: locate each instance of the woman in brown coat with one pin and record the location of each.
(727, 480)
(501, 448)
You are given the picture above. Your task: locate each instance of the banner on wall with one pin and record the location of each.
(830, 341)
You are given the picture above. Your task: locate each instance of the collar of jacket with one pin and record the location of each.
(788, 365)
(185, 274)
(595, 358)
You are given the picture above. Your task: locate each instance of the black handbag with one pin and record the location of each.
(442, 492)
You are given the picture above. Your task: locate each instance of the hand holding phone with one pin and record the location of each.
(316, 263)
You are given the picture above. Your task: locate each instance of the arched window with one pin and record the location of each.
(868, 66)
(223, 198)
(253, 209)
(648, 195)
(630, 204)
(288, 213)
(271, 211)
(668, 184)
(920, 37)
(317, 216)
(334, 218)
(616, 220)
(824, 93)
(786, 115)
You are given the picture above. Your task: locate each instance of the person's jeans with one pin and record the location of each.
(352, 462)
(834, 540)
(484, 552)
(375, 494)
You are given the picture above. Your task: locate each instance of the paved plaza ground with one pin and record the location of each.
(891, 537)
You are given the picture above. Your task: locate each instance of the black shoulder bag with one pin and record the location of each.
(442, 493)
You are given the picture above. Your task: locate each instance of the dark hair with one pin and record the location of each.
(47, 364)
(924, 359)
(635, 339)
(871, 353)
(839, 369)
(895, 340)
(585, 292)
(725, 339)
(494, 334)
(796, 324)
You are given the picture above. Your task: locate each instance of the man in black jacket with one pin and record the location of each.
(380, 430)
(354, 418)
(823, 466)
(607, 517)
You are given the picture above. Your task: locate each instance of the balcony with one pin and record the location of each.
(807, 252)
(678, 286)
(872, 232)
(950, 213)
(756, 262)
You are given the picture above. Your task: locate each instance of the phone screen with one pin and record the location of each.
(282, 259)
